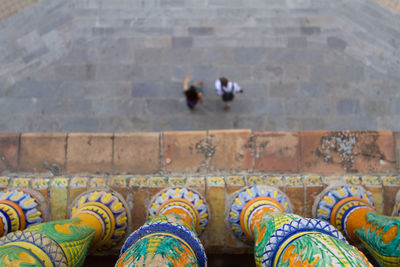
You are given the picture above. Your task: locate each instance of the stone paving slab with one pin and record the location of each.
(118, 65)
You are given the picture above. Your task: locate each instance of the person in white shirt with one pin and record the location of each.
(227, 90)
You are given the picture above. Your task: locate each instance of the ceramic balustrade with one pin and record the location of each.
(261, 216)
(351, 210)
(177, 216)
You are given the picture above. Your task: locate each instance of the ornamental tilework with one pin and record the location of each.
(20, 182)
(98, 182)
(294, 180)
(20, 209)
(255, 180)
(79, 182)
(59, 182)
(169, 238)
(4, 181)
(157, 181)
(391, 180)
(313, 181)
(371, 180)
(241, 210)
(119, 181)
(236, 180)
(258, 215)
(350, 209)
(138, 181)
(176, 181)
(396, 208)
(99, 220)
(274, 180)
(196, 181)
(40, 183)
(216, 181)
(355, 180)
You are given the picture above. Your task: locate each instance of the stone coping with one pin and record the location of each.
(203, 152)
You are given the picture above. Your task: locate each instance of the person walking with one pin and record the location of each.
(192, 93)
(227, 90)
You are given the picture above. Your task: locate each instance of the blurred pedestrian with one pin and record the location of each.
(192, 93)
(227, 90)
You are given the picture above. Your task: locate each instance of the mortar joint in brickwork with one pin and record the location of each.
(161, 155)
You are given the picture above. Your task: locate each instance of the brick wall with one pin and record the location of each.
(10, 7)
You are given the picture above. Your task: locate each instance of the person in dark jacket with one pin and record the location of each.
(192, 93)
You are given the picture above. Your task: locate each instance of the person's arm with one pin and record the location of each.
(186, 82)
(236, 88)
(218, 87)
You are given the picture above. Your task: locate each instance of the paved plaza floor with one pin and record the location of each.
(119, 65)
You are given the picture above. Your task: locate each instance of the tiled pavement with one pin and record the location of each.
(73, 65)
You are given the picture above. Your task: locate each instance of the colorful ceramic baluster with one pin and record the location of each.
(99, 220)
(169, 238)
(19, 209)
(261, 214)
(351, 210)
(396, 208)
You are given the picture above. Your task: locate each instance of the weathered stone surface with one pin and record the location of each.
(9, 146)
(89, 152)
(352, 152)
(184, 151)
(276, 151)
(136, 153)
(43, 152)
(229, 149)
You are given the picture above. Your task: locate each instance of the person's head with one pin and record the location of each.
(224, 81)
(191, 93)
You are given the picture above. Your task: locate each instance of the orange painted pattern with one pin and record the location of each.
(294, 259)
(273, 206)
(19, 211)
(175, 207)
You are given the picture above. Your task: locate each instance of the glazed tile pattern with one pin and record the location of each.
(177, 215)
(274, 180)
(396, 208)
(79, 182)
(313, 181)
(351, 210)
(99, 220)
(98, 182)
(261, 216)
(20, 209)
(59, 192)
(241, 211)
(40, 183)
(138, 181)
(189, 201)
(163, 233)
(21, 182)
(176, 181)
(4, 181)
